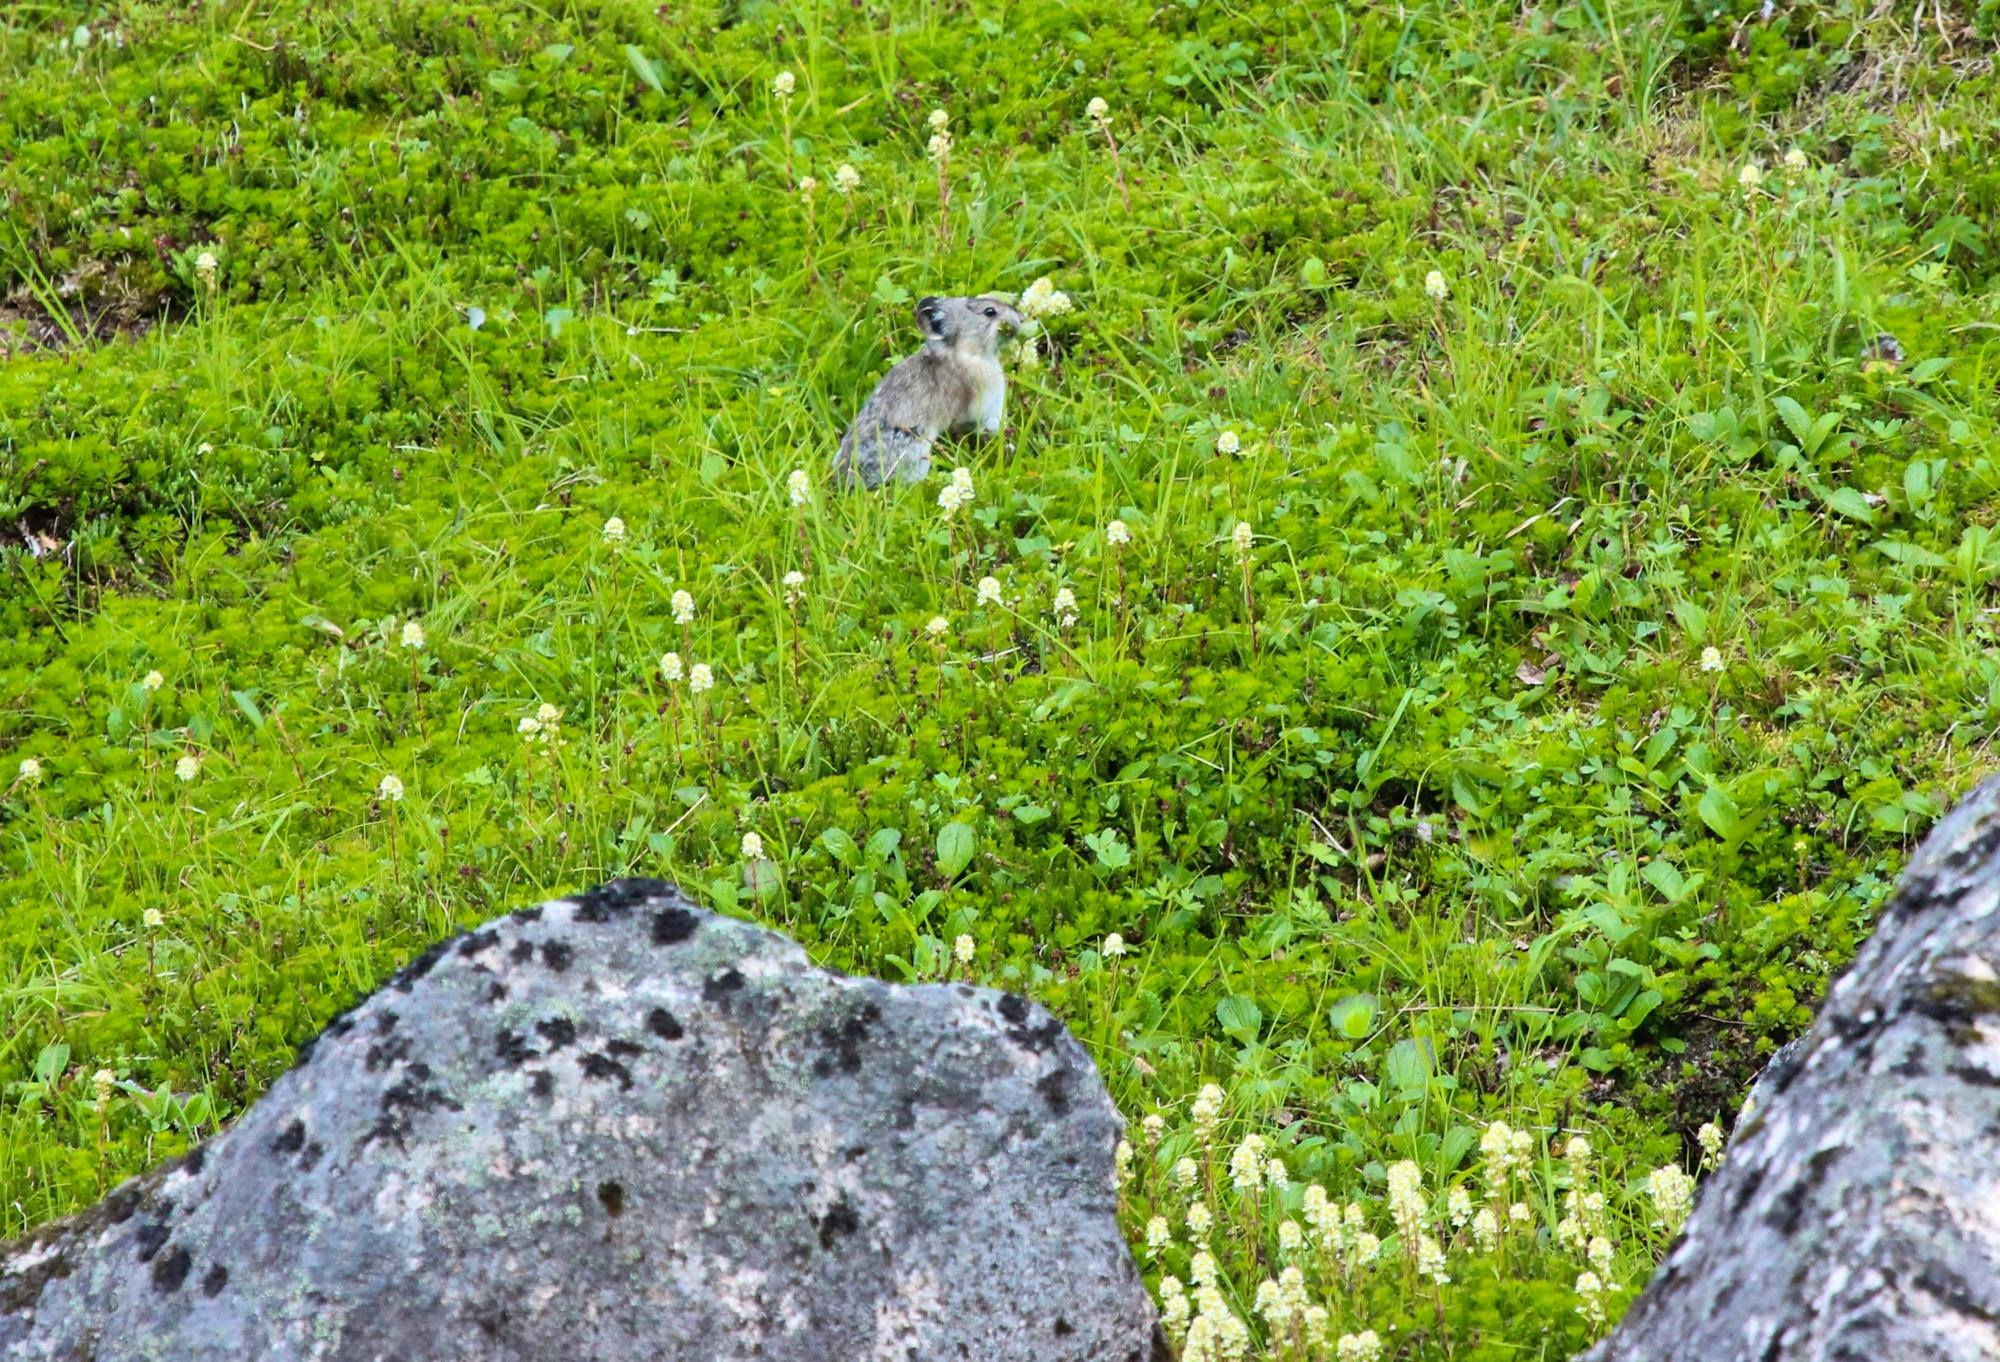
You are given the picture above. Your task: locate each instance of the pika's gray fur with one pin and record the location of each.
(953, 384)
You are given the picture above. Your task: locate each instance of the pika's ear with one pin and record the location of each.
(930, 316)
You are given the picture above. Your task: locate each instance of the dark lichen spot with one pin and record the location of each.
(603, 1066)
(170, 1269)
(625, 1049)
(533, 914)
(385, 1021)
(612, 1197)
(149, 1238)
(291, 1139)
(1013, 1008)
(475, 942)
(541, 1083)
(673, 925)
(118, 1207)
(1054, 1088)
(523, 952)
(1015, 1011)
(842, 1044)
(721, 985)
(384, 1053)
(619, 897)
(496, 992)
(557, 1031)
(1063, 1327)
(213, 1280)
(309, 1160)
(196, 1160)
(405, 978)
(514, 1049)
(557, 955)
(662, 1024)
(838, 1223)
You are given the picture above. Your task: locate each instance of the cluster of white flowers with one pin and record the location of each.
(31, 771)
(1097, 111)
(989, 591)
(614, 531)
(1206, 1110)
(1114, 946)
(938, 627)
(152, 681)
(799, 487)
(846, 179)
(1672, 1191)
(1241, 538)
(683, 604)
(543, 726)
(1711, 659)
(1407, 1206)
(700, 678)
(1709, 1137)
(1365, 1346)
(1435, 285)
(390, 790)
(1042, 300)
(956, 494)
(1116, 534)
(962, 948)
(1065, 608)
(1229, 442)
(1795, 160)
(670, 668)
(783, 84)
(940, 143)
(795, 586)
(1458, 1206)
(153, 919)
(187, 768)
(1590, 1298)
(206, 267)
(1751, 177)
(1246, 1164)
(413, 635)
(753, 847)
(1505, 1152)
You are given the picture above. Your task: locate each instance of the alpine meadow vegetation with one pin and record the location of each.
(1488, 572)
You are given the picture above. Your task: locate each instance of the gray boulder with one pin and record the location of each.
(1857, 1213)
(617, 1127)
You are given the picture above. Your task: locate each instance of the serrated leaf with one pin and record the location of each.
(839, 845)
(1795, 418)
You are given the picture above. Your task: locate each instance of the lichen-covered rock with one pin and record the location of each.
(1857, 1213)
(616, 1127)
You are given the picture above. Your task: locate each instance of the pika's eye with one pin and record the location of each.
(992, 311)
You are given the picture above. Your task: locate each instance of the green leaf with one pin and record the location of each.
(50, 1061)
(884, 843)
(954, 849)
(246, 701)
(1795, 418)
(1850, 503)
(1408, 1069)
(1910, 555)
(1354, 1015)
(1239, 1018)
(1030, 814)
(643, 66)
(839, 845)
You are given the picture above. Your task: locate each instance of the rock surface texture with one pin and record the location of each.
(617, 1127)
(1857, 1213)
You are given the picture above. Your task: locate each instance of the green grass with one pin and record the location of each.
(1425, 814)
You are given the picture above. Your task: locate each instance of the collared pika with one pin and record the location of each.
(953, 384)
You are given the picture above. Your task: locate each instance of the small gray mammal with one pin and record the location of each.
(953, 384)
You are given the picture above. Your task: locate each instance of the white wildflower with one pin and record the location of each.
(1241, 537)
(962, 948)
(31, 771)
(1795, 159)
(683, 604)
(1435, 285)
(1041, 300)
(1485, 1229)
(1711, 659)
(1672, 1191)
(846, 179)
(413, 635)
(185, 769)
(1114, 946)
(1097, 111)
(1458, 1205)
(614, 530)
(1159, 1236)
(700, 678)
(1709, 1137)
(1115, 533)
(670, 667)
(989, 591)
(938, 627)
(153, 919)
(1751, 176)
(153, 681)
(1365, 1346)
(783, 84)
(799, 487)
(391, 789)
(1065, 608)
(1229, 442)
(753, 847)
(1246, 1164)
